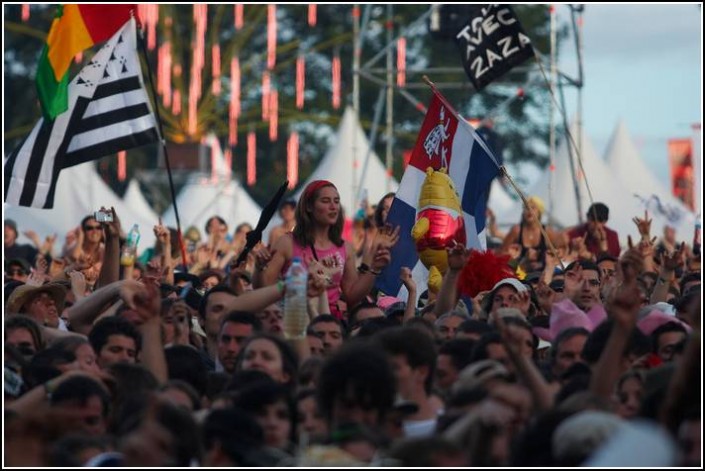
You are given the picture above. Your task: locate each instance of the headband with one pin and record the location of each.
(315, 186)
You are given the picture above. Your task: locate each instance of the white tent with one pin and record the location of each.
(338, 167)
(627, 165)
(80, 191)
(217, 194)
(201, 199)
(604, 186)
(135, 209)
(503, 205)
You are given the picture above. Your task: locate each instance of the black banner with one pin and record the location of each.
(492, 43)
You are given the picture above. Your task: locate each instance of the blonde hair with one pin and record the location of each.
(540, 205)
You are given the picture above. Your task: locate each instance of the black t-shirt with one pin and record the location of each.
(23, 251)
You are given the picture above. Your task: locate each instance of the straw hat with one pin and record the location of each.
(22, 294)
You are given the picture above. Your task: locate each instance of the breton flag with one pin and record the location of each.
(444, 141)
(108, 111)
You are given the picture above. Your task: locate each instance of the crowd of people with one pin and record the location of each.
(584, 351)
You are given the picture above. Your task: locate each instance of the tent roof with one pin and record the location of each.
(80, 191)
(625, 161)
(603, 184)
(503, 205)
(338, 166)
(200, 199)
(217, 194)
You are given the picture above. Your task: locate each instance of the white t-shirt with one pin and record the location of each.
(419, 428)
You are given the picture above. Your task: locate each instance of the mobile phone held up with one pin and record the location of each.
(103, 216)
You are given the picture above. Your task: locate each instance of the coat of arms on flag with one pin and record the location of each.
(444, 141)
(108, 111)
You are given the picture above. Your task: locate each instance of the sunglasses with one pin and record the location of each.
(15, 271)
(91, 228)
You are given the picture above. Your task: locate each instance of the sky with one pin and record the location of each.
(642, 64)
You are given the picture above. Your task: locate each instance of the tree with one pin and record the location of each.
(522, 126)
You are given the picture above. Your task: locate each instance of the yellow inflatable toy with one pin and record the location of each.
(439, 224)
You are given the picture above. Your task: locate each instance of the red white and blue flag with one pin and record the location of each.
(450, 142)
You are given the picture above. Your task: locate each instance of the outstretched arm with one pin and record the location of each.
(448, 294)
(84, 313)
(623, 307)
(257, 299)
(356, 285)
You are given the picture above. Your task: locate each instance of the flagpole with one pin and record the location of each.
(502, 170)
(140, 40)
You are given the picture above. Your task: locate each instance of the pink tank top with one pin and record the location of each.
(333, 260)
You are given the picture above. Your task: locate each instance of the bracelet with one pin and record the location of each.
(280, 286)
(48, 390)
(363, 268)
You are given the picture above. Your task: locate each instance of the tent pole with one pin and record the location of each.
(390, 95)
(141, 41)
(372, 139)
(552, 130)
(356, 97)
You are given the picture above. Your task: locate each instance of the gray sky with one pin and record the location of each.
(642, 64)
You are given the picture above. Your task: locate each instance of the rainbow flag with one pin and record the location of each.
(74, 29)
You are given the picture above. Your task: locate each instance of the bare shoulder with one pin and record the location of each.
(284, 245)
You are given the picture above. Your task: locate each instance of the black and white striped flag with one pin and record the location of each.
(109, 111)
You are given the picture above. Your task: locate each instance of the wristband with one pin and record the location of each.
(280, 286)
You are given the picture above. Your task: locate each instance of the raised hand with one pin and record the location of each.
(510, 339)
(386, 237)
(601, 236)
(147, 303)
(48, 245)
(56, 269)
(643, 225)
(524, 302)
(318, 280)
(35, 278)
(457, 257)
(673, 260)
(71, 237)
(573, 281)
(550, 260)
(546, 297)
(154, 269)
(514, 251)
(406, 278)
(625, 301)
(162, 234)
(78, 284)
(262, 257)
(381, 259)
(31, 235)
(477, 304)
(41, 265)
(203, 255)
(112, 229)
(631, 264)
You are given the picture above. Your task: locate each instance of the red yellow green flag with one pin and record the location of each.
(74, 29)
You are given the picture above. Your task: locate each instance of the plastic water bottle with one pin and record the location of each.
(295, 302)
(129, 250)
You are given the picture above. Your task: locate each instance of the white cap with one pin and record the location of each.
(513, 282)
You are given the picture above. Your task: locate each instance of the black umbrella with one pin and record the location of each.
(255, 235)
